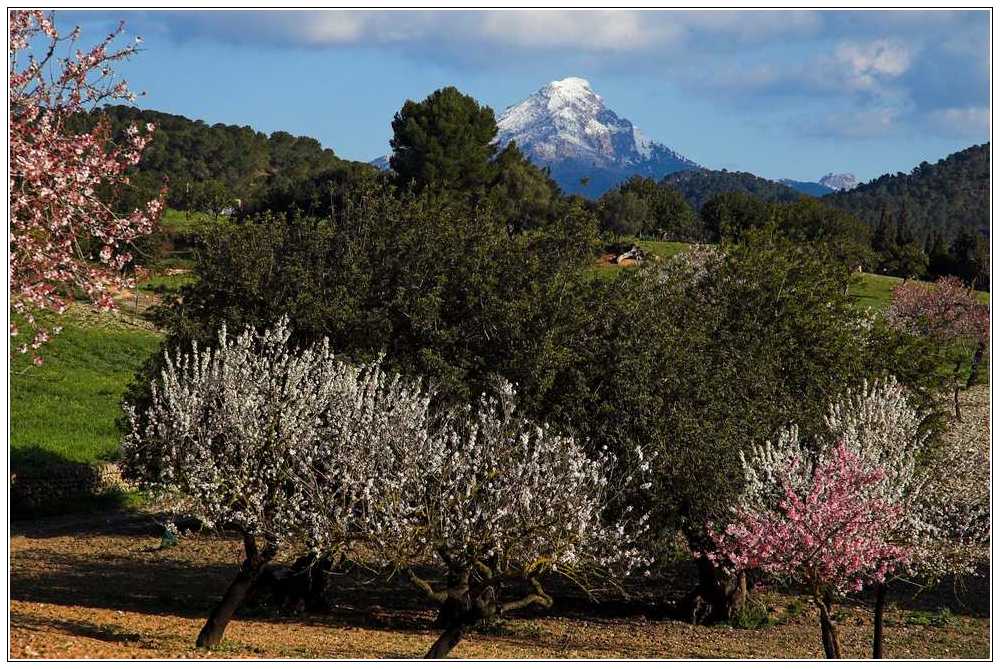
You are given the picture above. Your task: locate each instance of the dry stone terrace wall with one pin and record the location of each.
(38, 489)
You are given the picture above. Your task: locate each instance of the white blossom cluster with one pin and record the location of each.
(296, 447)
(237, 434)
(492, 488)
(692, 267)
(943, 491)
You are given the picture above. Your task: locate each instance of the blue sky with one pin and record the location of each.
(777, 93)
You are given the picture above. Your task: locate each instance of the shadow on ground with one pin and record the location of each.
(114, 562)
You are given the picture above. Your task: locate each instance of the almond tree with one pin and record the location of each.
(867, 502)
(239, 437)
(495, 502)
(296, 450)
(827, 531)
(57, 176)
(949, 312)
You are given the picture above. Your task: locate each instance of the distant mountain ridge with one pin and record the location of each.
(700, 186)
(813, 188)
(839, 182)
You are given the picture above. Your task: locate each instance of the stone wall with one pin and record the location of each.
(40, 488)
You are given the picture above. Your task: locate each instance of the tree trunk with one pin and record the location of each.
(446, 642)
(211, 634)
(831, 644)
(461, 611)
(977, 359)
(958, 410)
(880, 592)
(717, 597)
(454, 615)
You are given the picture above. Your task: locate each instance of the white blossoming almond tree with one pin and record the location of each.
(496, 501)
(238, 435)
(295, 449)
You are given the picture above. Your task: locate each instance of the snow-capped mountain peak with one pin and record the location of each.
(845, 181)
(566, 125)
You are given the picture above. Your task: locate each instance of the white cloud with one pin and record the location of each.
(584, 30)
(866, 65)
(854, 124)
(961, 122)
(589, 30)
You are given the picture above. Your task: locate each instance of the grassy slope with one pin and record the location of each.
(187, 222)
(66, 409)
(875, 290)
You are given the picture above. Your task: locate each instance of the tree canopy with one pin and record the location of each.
(446, 140)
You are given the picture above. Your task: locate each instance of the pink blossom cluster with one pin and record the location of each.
(832, 531)
(56, 176)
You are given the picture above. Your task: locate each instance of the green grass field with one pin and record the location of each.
(159, 283)
(663, 250)
(66, 409)
(875, 290)
(188, 222)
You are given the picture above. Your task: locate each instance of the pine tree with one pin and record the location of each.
(445, 142)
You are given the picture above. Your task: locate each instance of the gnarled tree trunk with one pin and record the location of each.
(880, 592)
(461, 608)
(214, 628)
(718, 596)
(460, 611)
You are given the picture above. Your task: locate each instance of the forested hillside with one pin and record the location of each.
(210, 166)
(947, 197)
(700, 186)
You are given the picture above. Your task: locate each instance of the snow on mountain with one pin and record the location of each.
(567, 127)
(845, 181)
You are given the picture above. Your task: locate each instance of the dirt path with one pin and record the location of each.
(98, 587)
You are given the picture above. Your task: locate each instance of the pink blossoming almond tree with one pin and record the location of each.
(57, 176)
(870, 500)
(826, 531)
(949, 312)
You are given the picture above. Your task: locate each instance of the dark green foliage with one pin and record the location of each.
(969, 259)
(318, 195)
(764, 341)
(699, 186)
(188, 153)
(949, 198)
(210, 196)
(522, 194)
(446, 140)
(812, 221)
(441, 287)
(702, 368)
(642, 207)
(729, 215)
(623, 214)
